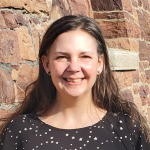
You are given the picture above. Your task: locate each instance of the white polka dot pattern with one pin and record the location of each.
(27, 132)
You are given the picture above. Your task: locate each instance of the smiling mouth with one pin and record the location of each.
(73, 80)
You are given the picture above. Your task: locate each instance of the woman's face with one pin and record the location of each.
(73, 63)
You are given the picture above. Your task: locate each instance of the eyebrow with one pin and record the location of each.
(64, 53)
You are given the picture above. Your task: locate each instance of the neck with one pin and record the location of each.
(73, 108)
(71, 112)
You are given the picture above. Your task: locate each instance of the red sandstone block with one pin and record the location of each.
(78, 7)
(127, 94)
(117, 29)
(26, 76)
(7, 93)
(4, 113)
(135, 89)
(2, 22)
(147, 72)
(21, 20)
(135, 76)
(9, 19)
(127, 5)
(103, 5)
(9, 47)
(141, 67)
(112, 15)
(148, 112)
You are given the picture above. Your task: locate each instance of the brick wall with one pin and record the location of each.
(124, 23)
(126, 26)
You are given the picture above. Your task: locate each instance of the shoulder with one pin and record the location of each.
(23, 122)
(120, 118)
(124, 122)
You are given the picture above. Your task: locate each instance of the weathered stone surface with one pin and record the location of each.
(46, 25)
(144, 21)
(127, 5)
(147, 73)
(31, 6)
(148, 112)
(123, 60)
(103, 5)
(138, 103)
(143, 78)
(26, 76)
(16, 67)
(25, 44)
(146, 64)
(140, 2)
(14, 74)
(21, 20)
(49, 4)
(148, 101)
(34, 20)
(89, 8)
(66, 4)
(9, 19)
(134, 3)
(9, 48)
(56, 13)
(135, 16)
(125, 44)
(143, 92)
(143, 100)
(145, 4)
(128, 78)
(4, 113)
(143, 52)
(112, 15)
(2, 21)
(123, 79)
(147, 89)
(119, 77)
(7, 93)
(127, 94)
(141, 67)
(119, 29)
(63, 7)
(148, 48)
(135, 89)
(135, 76)
(146, 16)
(79, 7)
(37, 33)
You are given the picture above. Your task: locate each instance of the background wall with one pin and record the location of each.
(124, 23)
(126, 26)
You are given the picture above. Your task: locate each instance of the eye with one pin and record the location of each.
(61, 58)
(86, 56)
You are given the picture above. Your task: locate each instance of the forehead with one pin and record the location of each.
(74, 41)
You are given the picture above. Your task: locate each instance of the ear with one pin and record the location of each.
(100, 63)
(45, 62)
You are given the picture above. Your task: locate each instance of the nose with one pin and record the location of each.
(74, 65)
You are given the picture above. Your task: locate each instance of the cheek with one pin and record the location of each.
(57, 68)
(90, 69)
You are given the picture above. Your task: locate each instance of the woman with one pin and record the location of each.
(75, 102)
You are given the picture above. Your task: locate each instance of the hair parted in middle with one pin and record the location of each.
(100, 91)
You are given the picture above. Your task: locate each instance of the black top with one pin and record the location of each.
(27, 132)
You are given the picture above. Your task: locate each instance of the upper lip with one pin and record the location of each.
(74, 78)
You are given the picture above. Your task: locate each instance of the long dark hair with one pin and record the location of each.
(41, 94)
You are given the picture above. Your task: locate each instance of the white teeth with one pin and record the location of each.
(74, 80)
